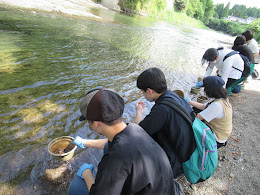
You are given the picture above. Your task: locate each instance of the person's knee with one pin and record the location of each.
(78, 187)
(237, 89)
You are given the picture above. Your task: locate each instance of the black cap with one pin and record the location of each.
(213, 81)
(103, 105)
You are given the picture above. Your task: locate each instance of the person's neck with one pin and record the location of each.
(157, 95)
(112, 131)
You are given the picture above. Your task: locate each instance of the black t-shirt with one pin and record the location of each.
(171, 130)
(246, 51)
(134, 164)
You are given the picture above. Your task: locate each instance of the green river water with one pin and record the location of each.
(48, 63)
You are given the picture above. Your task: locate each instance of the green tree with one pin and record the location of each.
(219, 8)
(253, 12)
(226, 10)
(209, 10)
(239, 11)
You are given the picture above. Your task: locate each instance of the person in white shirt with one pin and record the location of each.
(217, 114)
(229, 70)
(251, 42)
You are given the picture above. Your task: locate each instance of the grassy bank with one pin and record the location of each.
(157, 9)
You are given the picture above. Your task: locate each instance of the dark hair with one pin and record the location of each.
(152, 78)
(248, 34)
(216, 92)
(240, 40)
(210, 55)
(110, 123)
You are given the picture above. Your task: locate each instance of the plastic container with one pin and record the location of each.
(202, 99)
(195, 90)
(62, 148)
(179, 92)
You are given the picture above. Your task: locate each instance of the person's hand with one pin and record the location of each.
(79, 142)
(140, 106)
(83, 168)
(199, 84)
(187, 99)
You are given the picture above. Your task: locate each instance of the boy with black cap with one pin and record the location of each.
(229, 69)
(133, 162)
(217, 114)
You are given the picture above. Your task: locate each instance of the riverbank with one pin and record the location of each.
(84, 7)
(69, 7)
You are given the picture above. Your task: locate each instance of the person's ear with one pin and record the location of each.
(149, 91)
(96, 124)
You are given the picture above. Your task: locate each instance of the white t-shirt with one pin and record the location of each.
(225, 68)
(253, 45)
(214, 110)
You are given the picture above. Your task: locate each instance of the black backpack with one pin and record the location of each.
(246, 71)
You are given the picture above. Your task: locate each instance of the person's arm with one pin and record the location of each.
(156, 119)
(88, 177)
(209, 70)
(139, 112)
(86, 172)
(256, 54)
(227, 65)
(199, 116)
(95, 143)
(197, 105)
(91, 143)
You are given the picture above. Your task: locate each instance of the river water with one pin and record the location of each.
(49, 62)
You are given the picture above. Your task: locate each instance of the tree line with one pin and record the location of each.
(213, 16)
(202, 10)
(218, 23)
(240, 11)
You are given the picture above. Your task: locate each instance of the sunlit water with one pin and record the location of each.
(48, 63)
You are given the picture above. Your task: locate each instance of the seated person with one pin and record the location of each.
(241, 47)
(218, 113)
(133, 163)
(251, 42)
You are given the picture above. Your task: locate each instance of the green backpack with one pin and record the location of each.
(203, 161)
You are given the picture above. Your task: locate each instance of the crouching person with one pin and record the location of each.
(166, 126)
(133, 163)
(217, 114)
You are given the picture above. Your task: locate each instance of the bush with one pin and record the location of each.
(226, 27)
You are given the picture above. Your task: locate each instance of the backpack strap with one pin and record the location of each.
(231, 54)
(178, 108)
